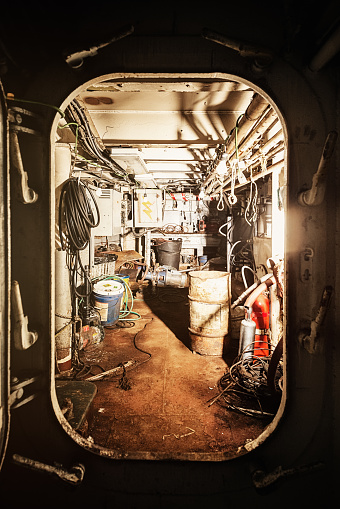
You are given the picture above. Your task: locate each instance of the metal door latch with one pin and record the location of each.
(16, 115)
(306, 264)
(73, 476)
(309, 337)
(20, 388)
(315, 195)
(262, 479)
(23, 338)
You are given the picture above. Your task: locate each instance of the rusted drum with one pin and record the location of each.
(209, 298)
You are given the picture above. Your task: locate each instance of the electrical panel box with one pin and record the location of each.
(109, 204)
(148, 208)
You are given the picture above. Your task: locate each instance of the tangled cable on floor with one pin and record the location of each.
(244, 387)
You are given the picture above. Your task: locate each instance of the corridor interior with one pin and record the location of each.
(160, 399)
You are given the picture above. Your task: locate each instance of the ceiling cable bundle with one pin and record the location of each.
(75, 112)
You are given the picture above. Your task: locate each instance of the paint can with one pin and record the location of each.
(107, 297)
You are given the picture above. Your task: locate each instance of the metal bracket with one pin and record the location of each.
(73, 476)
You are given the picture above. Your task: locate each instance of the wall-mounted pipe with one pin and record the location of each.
(315, 195)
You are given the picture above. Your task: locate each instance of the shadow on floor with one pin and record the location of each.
(171, 305)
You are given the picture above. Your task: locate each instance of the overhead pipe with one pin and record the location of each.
(262, 174)
(264, 124)
(265, 150)
(268, 150)
(254, 111)
(315, 195)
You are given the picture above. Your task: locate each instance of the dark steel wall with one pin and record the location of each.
(305, 442)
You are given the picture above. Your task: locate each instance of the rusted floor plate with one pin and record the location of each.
(166, 411)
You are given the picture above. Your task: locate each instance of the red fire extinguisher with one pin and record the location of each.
(260, 315)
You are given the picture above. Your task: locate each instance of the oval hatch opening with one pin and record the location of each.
(170, 201)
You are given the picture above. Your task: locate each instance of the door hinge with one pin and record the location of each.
(263, 480)
(74, 475)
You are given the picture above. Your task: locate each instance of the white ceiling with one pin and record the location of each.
(165, 128)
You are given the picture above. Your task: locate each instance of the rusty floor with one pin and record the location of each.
(162, 410)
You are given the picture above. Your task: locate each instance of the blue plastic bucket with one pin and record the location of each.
(107, 296)
(202, 260)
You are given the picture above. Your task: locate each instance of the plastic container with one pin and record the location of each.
(107, 297)
(209, 297)
(202, 260)
(125, 297)
(169, 252)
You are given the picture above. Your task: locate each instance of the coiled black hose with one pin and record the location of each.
(76, 218)
(76, 208)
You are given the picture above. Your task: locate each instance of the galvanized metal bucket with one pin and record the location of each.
(209, 298)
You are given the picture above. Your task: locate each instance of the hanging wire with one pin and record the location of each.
(220, 205)
(243, 276)
(250, 214)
